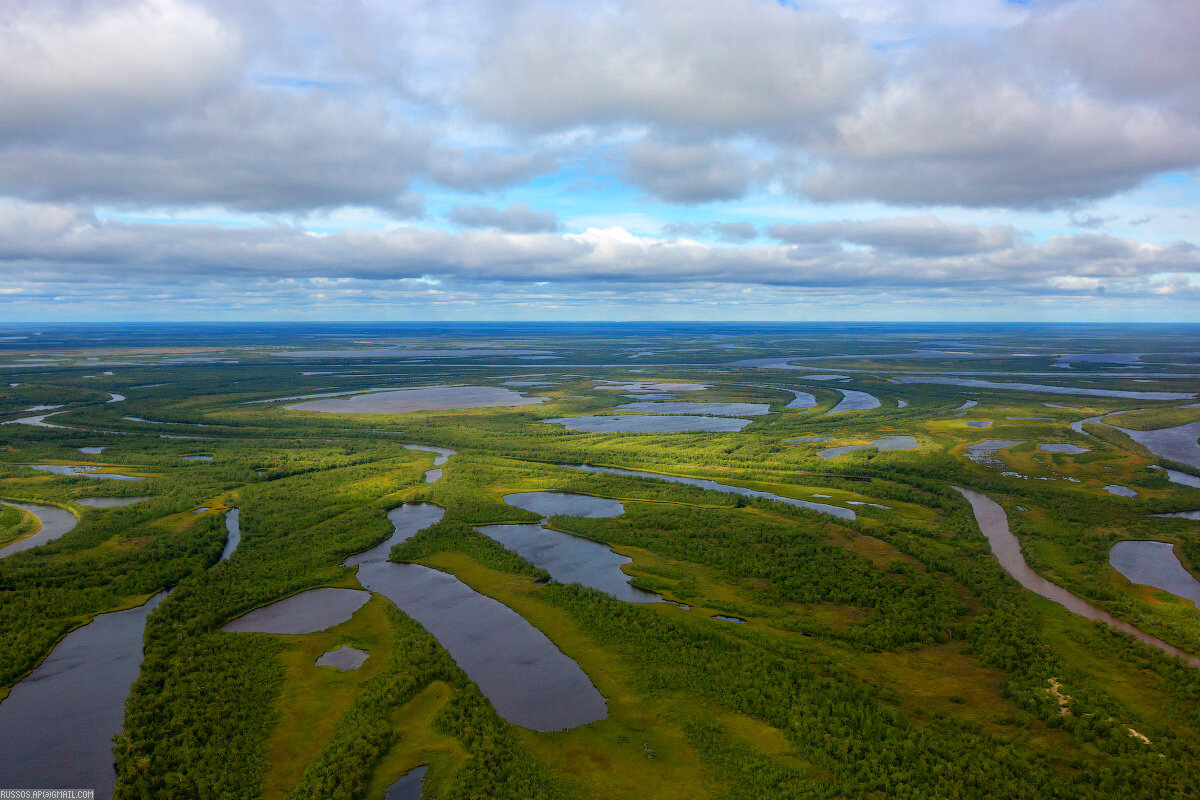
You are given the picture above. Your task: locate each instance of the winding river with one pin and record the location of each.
(54, 521)
(57, 724)
(1007, 548)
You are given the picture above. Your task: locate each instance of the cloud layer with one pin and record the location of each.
(625, 149)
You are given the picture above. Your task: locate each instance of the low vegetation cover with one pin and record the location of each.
(885, 655)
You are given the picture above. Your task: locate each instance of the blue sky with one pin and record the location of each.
(640, 159)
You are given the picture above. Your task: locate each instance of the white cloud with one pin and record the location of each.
(79, 64)
(516, 218)
(961, 138)
(689, 173)
(722, 66)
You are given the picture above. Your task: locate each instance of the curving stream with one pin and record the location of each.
(993, 522)
(55, 522)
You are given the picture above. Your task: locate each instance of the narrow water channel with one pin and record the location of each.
(57, 724)
(55, 522)
(713, 486)
(993, 522)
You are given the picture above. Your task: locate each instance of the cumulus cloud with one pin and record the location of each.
(689, 173)
(722, 66)
(63, 66)
(516, 218)
(724, 231)
(983, 140)
(73, 248)
(1128, 49)
(230, 111)
(923, 235)
(485, 171)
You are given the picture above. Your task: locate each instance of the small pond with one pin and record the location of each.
(1068, 449)
(409, 787)
(1120, 491)
(110, 502)
(855, 401)
(1155, 564)
(344, 658)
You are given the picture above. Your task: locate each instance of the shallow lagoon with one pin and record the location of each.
(432, 398)
(714, 409)
(528, 680)
(233, 533)
(885, 444)
(985, 452)
(1041, 387)
(1177, 444)
(83, 470)
(650, 424)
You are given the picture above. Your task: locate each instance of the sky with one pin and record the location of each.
(982, 160)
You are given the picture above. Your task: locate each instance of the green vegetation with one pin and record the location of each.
(886, 656)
